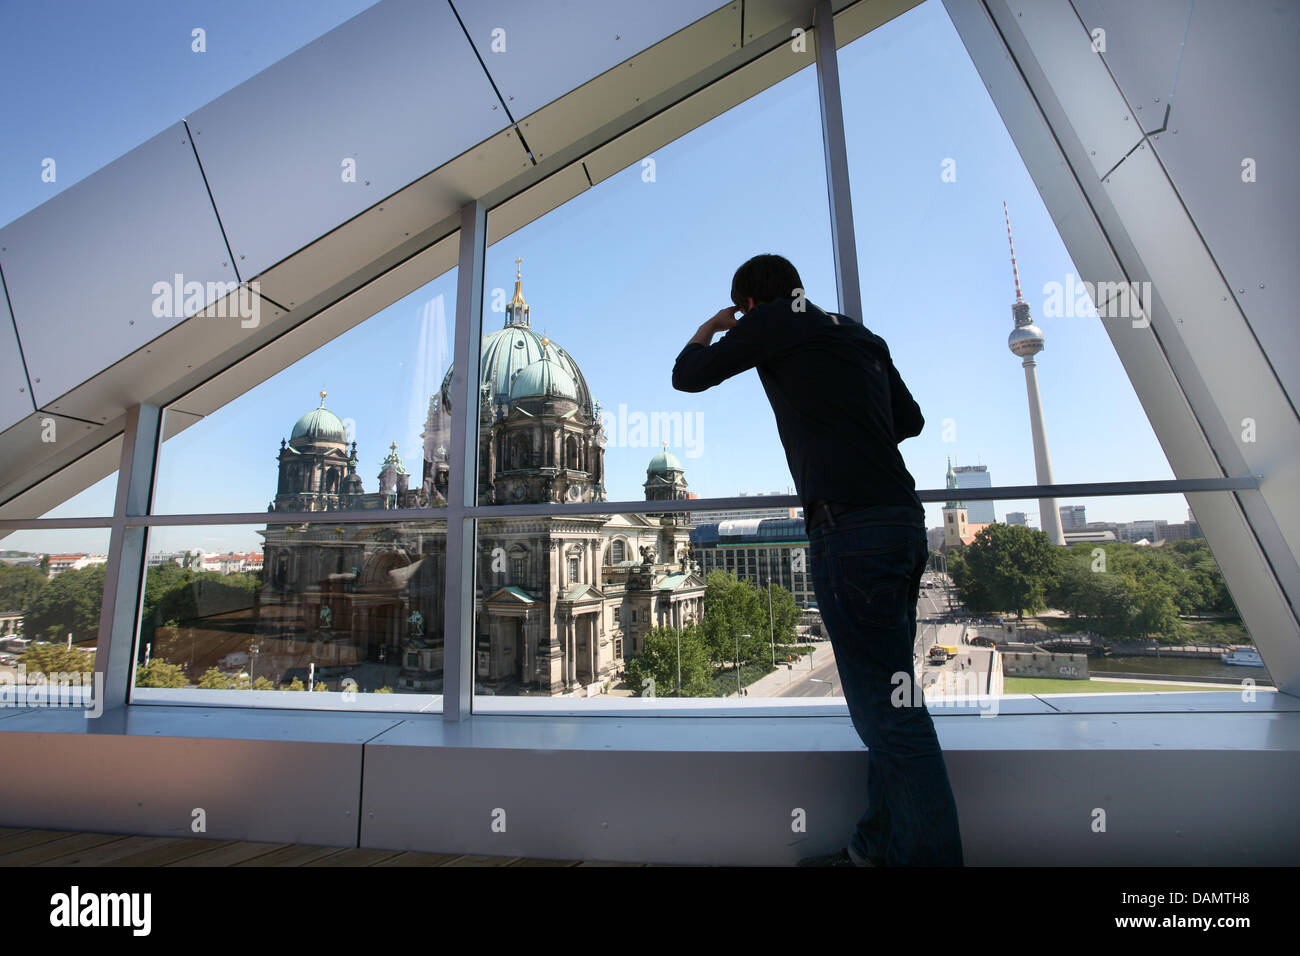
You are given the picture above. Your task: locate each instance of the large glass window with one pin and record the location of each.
(51, 595)
(350, 612)
(351, 426)
(1132, 602)
(586, 309)
(929, 174)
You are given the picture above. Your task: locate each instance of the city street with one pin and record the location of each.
(805, 679)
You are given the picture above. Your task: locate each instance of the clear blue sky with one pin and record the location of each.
(622, 275)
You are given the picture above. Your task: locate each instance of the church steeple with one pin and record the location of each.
(951, 483)
(517, 308)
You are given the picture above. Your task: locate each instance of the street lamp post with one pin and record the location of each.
(818, 680)
(771, 627)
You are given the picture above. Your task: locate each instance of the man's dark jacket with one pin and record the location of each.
(841, 407)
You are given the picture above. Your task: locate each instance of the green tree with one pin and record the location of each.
(1156, 611)
(1006, 568)
(19, 585)
(159, 673)
(69, 604)
(56, 658)
(732, 608)
(213, 679)
(657, 663)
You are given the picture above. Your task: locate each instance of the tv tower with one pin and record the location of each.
(1026, 340)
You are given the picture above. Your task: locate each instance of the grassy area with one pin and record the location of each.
(725, 683)
(1043, 685)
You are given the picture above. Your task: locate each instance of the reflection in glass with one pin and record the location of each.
(51, 590)
(320, 606)
(341, 426)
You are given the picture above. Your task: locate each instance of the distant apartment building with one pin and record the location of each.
(173, 557)
(74, 562)
(976, 476)
(1018, 517)
(1073, 517)
(935, 538)
(232, 562)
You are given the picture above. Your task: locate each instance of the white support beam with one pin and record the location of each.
(462, 490)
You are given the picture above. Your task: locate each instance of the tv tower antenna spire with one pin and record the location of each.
(1014, 270)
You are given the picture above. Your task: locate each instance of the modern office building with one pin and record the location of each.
(762, 551)
(341, 219)
(976, 476)
(1073, 517)
(1017, 517)
(706, 517)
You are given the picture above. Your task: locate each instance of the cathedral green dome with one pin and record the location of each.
(508, 351)
(319, 425)
(543, 379)
(664, 461)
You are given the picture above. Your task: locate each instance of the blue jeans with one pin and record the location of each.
(866, 569)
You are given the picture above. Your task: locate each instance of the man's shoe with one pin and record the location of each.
(839, 858)
(859, 860)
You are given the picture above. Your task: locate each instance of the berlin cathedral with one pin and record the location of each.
(560, 601)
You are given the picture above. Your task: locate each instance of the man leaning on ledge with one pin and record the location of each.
(841, 409)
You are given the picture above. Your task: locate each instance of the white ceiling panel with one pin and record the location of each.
(30, 455)
(632, 84)
(1235, 67)
(81, 268)
(15, 399)
(690, 114)
(397, 90)
(430, 200)
(544, 50)
(332, 322)
(1063, 50)
(1140, 42)
(535, 202)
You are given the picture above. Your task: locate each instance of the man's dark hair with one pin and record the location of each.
(764, 278)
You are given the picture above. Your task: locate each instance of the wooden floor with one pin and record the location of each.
(65, 848)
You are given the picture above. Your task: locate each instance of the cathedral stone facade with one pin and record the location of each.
(561, 601)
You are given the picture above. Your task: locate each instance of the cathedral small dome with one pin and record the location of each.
(543, 379)
(662, 462)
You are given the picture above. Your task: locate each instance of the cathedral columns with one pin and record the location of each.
(573, 649)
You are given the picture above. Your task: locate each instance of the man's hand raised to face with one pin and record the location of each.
(721, 321)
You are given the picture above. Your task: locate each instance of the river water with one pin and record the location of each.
(1190, 667)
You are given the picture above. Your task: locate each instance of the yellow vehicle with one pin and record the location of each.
(948, 648)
